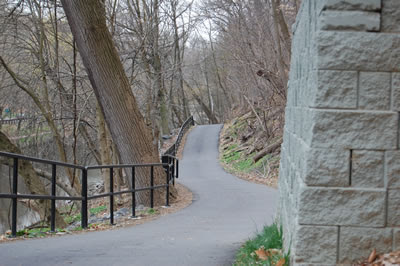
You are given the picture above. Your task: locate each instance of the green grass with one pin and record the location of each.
(78, 228)
(75, 217)
(231, 157)
(98, 210)
(270, 238)
(69, 219)
(151, 211)
(37, 232)
(244, 165)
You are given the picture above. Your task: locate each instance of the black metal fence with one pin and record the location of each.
(170, 164)
(186, 125)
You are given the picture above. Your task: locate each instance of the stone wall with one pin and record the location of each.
(340, 162)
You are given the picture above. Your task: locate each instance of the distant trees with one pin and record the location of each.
(246, 57)
(211, 58)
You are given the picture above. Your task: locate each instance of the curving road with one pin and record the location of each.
(225, 212)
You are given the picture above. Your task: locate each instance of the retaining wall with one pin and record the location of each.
(340, 162)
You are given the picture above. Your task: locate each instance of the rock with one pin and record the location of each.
(374, 91)
(140, 207)
(316, 244)
(350, 20)
(346, 51)
(353, 129)
(393, 168)
(123, 211)
(391, 15)
(165, 137)
(396, 91)
(342, 206)
(396, 239)
(367, 169)
(336, 89)
(394, 207)
(357, 243)
(326, 167)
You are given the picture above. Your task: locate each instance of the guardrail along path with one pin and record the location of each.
(226, 211)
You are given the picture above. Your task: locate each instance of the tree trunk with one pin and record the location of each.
(104, 149)
(87, 20)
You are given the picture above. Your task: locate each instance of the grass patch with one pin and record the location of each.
(270, 241)
(69, 219)
(231, 157)
(244, 165)
(37, 232)
(98, 209)
(151, 211)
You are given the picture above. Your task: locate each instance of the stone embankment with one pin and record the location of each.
(340, 166)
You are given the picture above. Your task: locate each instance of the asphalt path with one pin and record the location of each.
(225, 212)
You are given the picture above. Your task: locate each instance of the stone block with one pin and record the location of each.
(364, 51)
(342, 206)
(393, 169)
(339, 129)
(357, 243)
(393, 208)
(326, 167)
(350, 20)
(336, 89)
(396, 239)
(396, 91)
(390, 15)
(353, 4)
(374, 90)
(367, 169)
(316, 244)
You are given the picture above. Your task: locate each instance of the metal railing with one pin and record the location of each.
(174, 148)
(169, 163)
(170, 170)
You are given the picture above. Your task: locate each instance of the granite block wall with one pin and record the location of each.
(340, 164)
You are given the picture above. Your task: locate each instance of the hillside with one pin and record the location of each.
(248, 152)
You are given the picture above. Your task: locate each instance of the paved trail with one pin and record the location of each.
(225, 212)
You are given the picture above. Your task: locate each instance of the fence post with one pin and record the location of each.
(112, 196)
(168, 174)
(84, 213)
(133, 193)
(14, 200)
(152, 185)
(53, 200)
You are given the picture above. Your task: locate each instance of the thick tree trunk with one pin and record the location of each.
(87, 20)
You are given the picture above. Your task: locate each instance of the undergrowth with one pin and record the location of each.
(241, 141)
(270, 242)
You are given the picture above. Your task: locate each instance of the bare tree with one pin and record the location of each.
(133, 139)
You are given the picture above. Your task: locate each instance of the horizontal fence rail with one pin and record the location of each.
(175, 147)
(169, 163)
(170, 175)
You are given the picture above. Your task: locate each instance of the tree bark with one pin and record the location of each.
(87, 20)
(105, 147)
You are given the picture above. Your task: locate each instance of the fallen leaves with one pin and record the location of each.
(388, 259)
(281, 262)
(372, 256)
(263, 254)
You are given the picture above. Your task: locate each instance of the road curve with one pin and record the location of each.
(225, 212)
